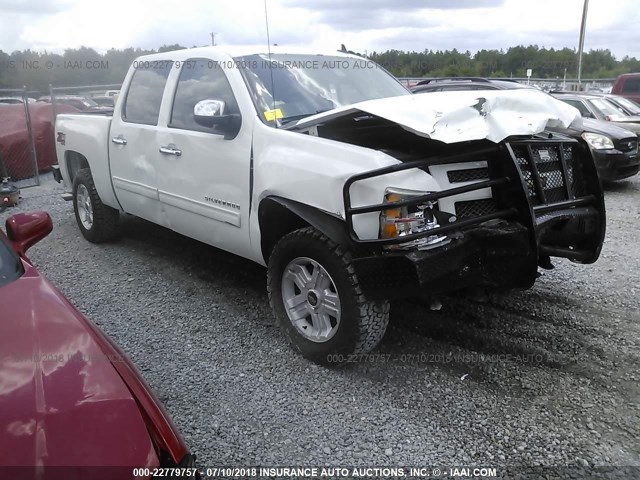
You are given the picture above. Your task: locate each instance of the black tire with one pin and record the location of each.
(362, 322)
(105, 219)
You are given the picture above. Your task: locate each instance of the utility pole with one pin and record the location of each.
(213, 38)
(583, 28)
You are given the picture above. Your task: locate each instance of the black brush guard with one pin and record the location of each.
(548, 203)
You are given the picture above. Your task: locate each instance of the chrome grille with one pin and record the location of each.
(627, 145)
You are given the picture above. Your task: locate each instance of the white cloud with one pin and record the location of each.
(362, 25)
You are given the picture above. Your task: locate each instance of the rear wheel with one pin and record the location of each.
(97, 221)
(317, 300)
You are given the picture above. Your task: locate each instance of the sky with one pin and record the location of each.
(362, 25)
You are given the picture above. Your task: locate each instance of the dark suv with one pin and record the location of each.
(598, 107)
(615, 149)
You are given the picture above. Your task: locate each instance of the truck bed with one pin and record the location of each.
(81, 134)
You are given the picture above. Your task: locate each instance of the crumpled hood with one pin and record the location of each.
(61, 400)
(464, 116)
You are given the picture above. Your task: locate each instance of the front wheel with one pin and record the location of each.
(317, 300)
(97, 221)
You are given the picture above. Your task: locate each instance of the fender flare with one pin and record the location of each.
(330, 225)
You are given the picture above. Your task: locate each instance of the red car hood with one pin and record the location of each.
(62, 402)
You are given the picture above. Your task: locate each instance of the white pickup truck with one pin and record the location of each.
(348, 188)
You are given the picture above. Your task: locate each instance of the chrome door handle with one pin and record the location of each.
(119, 140)
(171, 150)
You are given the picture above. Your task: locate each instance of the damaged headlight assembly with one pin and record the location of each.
(397, 222)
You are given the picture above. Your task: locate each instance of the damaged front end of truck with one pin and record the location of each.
(511, 194)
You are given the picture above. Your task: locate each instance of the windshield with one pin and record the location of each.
(304, 85)
(10, 266)
(606, 108)
(630, 105)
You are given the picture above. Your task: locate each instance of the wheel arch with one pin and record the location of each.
(99, 169)
(75, 161)
(278, 216)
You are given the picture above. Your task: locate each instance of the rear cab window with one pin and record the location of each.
(144, 96)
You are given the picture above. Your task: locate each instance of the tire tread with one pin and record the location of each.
(373, 317)
(105, 219)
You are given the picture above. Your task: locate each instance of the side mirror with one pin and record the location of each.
(26, 229)
(209, 112)
(213, 114)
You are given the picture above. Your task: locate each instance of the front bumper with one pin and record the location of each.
(616, 165)
(493, 257)
(547, 202)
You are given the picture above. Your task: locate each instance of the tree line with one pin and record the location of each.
(514, 62)
(85, 66)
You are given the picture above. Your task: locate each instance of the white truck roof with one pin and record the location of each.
(244, 50)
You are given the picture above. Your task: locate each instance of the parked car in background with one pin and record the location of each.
(69, 397)
(628, 85)
(614, 148)
(84, 104)
(14, 100)
(598, 107)
(456, 84)
(11, 100)
(628, 107)
(104, 100)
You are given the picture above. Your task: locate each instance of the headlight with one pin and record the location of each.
(398, 222)
(597, 141)
(402, 221)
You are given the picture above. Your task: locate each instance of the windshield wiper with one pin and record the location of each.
(293, 118)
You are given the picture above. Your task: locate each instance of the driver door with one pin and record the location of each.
(203, 187)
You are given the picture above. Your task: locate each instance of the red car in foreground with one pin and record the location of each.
(72, 405)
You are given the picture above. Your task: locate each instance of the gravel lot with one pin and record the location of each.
(558, 384)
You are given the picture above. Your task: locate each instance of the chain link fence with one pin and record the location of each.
(18, 156)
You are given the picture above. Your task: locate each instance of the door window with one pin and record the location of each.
(200, 79)
(584, 111)
(144, 97)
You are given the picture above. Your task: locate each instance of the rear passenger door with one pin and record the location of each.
(133, 143)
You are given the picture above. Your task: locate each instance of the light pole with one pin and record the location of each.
(583, 27)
